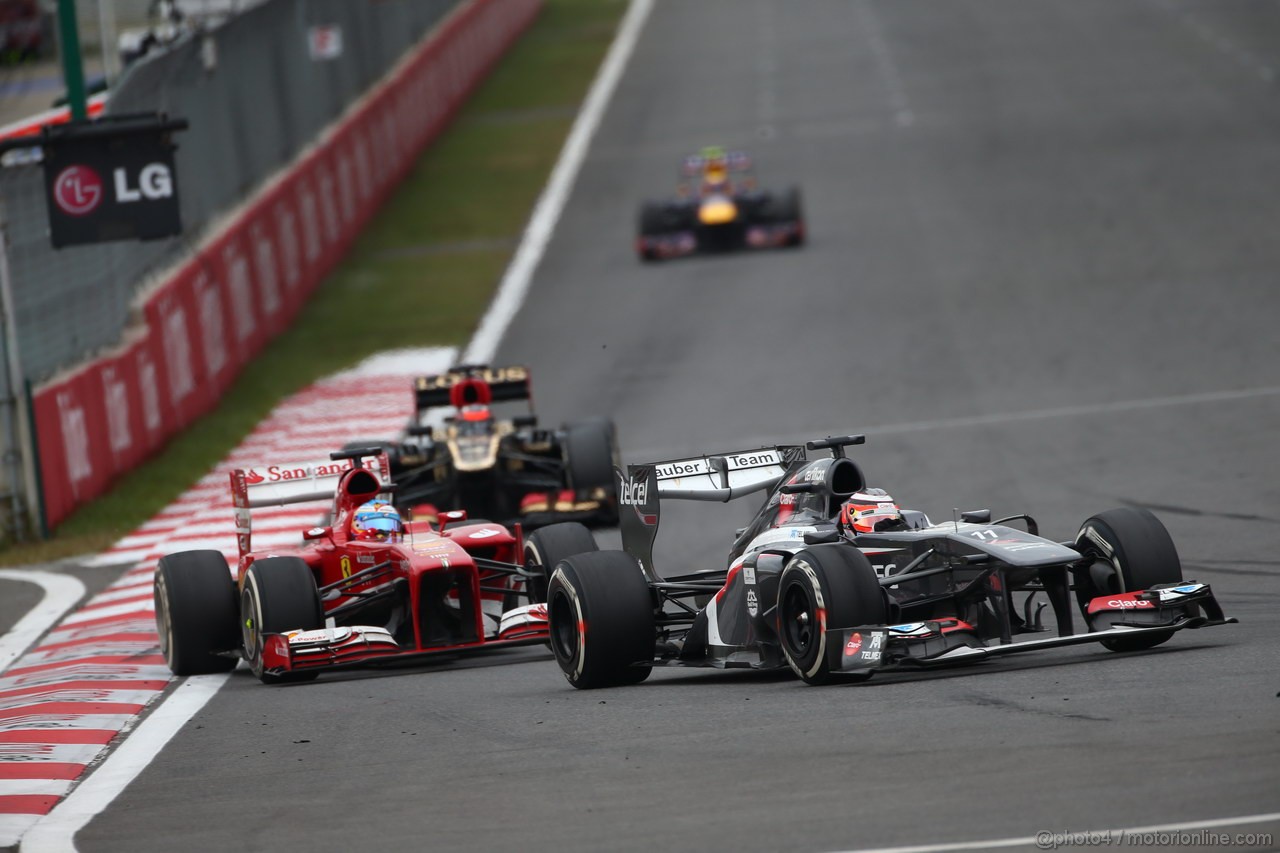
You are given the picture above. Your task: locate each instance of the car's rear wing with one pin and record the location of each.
(296, 482)
(716, 477)
(736, 161)
(472, 383)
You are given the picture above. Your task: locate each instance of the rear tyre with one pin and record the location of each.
(790, 209)
(195, 601)
(1130, 550)
(549, 545)
(278, 594)
(602, 620)
(824, 588)
(591, 453)
(653, 223)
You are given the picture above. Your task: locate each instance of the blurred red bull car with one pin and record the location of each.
(719, 207)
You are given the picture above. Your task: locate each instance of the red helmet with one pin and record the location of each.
(867, 509)
(377, 521)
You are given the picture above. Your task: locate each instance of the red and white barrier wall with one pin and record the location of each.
(245, 284)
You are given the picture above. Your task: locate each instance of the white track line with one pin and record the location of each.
(1046, 840)
(1003, 418)
(61, 592)
(55, 832)
(533, 243)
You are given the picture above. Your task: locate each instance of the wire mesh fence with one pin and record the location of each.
(256, 91)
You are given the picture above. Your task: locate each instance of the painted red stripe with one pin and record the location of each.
(142, 596)
(40, 770)
(86, 684)
(102, 736)
(75, 709)
(104, 639)
(28, 803)
(101, 660)
(107, 620)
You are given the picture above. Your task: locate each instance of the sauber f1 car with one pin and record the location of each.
(719, 207)
(339, 600)
(508, 469)
(804, 589)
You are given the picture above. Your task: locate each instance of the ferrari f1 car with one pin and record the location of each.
(805, 590)
(508, 469)
(719, 207)
(343, 599)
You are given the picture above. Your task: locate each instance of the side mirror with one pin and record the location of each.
(451, 517)
(798, 488)
(977, 516)
(318, 533)
(822, 537)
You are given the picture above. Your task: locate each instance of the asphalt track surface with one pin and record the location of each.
(1041, 277)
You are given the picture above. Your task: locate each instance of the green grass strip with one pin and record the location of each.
(421, 274)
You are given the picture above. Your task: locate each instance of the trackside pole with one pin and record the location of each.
(22, 422)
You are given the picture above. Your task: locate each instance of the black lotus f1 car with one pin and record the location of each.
(719, 207)
(508, 469)
(803, 590)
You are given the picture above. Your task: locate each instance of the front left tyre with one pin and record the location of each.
(822, 589)
(278, 594)
(195, 601)
(602, 620)
(1129, 549)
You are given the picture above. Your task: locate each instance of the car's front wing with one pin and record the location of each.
(944, 642)
(366, 645)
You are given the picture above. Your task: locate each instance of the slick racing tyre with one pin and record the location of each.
(549, 545)
(788, 208)
(821, 589)
(195, 600)
(1130, 550)
(602, 620)
(278, 594)
(591, 452)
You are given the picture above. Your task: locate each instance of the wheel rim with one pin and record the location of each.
(564, 631)
(250, 621)
(797, 619)
(536, 590)
(165, 626)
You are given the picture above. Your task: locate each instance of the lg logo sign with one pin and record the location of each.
(78, 189)
(112, 179)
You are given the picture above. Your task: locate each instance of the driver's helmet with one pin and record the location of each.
(377, 521)
(869, 509)
(715, 168)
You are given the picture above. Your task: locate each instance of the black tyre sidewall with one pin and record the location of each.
(196, 612)
(278, 594)
(591, 452)
(602, 619)
(835, 579)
